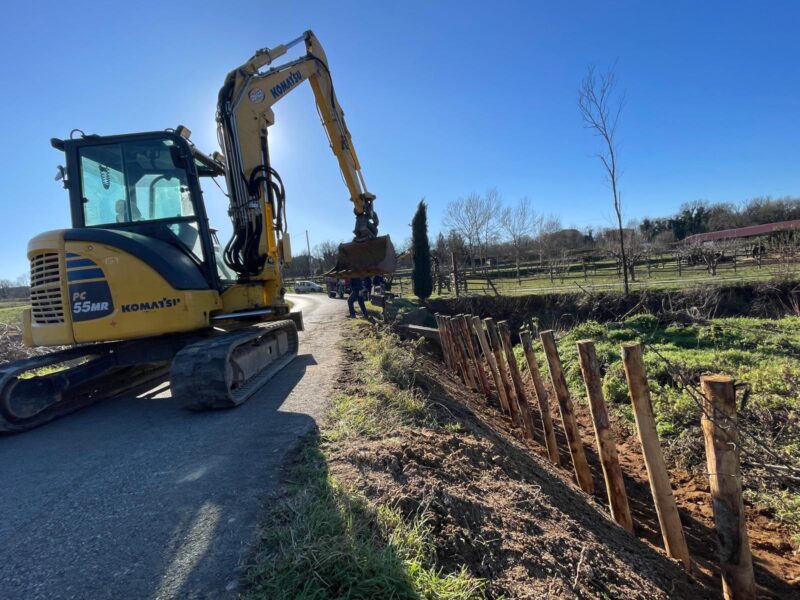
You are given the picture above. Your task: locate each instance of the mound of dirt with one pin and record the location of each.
(502, 511)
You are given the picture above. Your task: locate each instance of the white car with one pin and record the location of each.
(304, 287)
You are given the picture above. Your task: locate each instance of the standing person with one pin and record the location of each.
(356, 286)
(368, 288)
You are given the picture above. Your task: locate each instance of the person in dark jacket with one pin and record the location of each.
(367, 293)
(356, 286)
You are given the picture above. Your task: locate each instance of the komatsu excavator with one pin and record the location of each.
(140, 287)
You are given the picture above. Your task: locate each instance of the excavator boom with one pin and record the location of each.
(244, 115)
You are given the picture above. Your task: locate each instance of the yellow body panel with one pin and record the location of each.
(110, 295)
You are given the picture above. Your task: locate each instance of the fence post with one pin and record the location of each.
(461, 356)
(606, 444)
(541, 398)
(579, 463)
(463, 341)
(497, 348)
(516, 378)
(724, 473)
(454, 274)
(477, 327)
(475, 354)
(445, 343)
(666, 509)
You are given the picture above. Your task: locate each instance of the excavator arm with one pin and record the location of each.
(244, 115)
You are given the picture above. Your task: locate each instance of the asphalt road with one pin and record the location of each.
(138, 498)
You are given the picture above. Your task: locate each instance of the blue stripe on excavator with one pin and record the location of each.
(85, 274)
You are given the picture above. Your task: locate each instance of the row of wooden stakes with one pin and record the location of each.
(476, 350)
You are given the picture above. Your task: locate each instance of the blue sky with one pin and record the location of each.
(442, 99)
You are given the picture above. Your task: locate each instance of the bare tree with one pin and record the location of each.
(600, 111)
(635, 249)
(548, 226)
(474, 218)
(520, 225)
(326, 253)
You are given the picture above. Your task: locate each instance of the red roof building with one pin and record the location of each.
(742, 232)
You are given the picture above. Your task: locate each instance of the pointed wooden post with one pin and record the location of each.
(606, 444)
(666, 509)
(444, 342)
(468, 352)
(724, 473)
(516, 378)
(497, 349)
(477, 328)
(460, 353)
(475, 355)
(579, 463)
(541, 398)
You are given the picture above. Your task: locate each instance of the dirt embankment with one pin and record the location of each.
(562, 311)
(497, 508)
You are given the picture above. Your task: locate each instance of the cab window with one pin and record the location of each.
(133, 181)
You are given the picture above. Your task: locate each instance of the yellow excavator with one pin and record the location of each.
(140, 286)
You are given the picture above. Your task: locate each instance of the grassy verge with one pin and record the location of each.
(323, 539)
(763, 353)
(12, 315)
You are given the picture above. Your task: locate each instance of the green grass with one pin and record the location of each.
(324, 540)
(602, 274)
(763, 353)
(12, 315)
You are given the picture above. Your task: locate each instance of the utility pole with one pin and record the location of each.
(308, 254)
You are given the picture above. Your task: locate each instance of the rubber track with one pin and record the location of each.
(197, 376)
(72, 397)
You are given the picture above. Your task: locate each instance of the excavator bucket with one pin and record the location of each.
(362, 259)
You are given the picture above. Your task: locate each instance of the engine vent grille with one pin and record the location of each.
(47, 307)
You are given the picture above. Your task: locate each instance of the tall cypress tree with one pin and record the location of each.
(421, 273)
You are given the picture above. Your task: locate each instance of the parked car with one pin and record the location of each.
(305, 287)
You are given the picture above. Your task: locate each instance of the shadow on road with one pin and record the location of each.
(136, 497)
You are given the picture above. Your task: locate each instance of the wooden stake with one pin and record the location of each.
(477, 327)
(444, 342)
(541, 398)
(666, 509)
(475, 355)
(462, 341)
(460, 354)
(579, 463)
(606, 445)
(724, 473)
(516, 378)
(497, 349)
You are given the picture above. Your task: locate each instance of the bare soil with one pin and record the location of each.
(499, 508)
(776, 562)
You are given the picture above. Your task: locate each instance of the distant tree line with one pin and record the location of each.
(482, 231)
(703, 217)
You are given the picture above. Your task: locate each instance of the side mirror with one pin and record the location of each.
(61, 175)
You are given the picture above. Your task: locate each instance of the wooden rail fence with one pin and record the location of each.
(480, 353)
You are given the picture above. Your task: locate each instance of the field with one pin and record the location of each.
(11, 312)
(658, 272)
